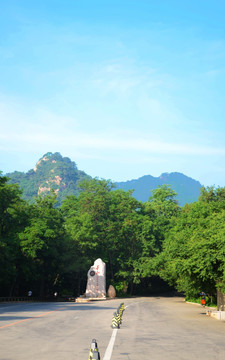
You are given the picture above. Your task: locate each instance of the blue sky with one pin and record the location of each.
(123, 88)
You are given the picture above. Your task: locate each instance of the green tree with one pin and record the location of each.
(104, 223)
(12, 220)
(159, 216)
(43, 241)
(123, 238)
(193, 252)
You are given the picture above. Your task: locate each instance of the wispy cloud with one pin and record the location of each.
(53, 130)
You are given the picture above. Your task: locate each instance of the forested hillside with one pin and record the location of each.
(47, 249)
(53, 172)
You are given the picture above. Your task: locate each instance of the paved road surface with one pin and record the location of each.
(153, 328)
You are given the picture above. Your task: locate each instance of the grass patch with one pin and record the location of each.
(198, 301)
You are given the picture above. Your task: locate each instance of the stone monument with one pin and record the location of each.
(96, 281)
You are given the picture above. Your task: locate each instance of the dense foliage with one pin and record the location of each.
(45, 248)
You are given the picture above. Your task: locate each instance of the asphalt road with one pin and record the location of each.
(152, 328)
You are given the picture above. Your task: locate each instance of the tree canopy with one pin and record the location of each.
(45, 248)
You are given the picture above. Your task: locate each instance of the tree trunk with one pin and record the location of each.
(42, 286)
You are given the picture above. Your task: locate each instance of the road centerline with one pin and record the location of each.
(109, 349)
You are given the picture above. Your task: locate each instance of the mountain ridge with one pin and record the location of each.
(51, 172)
(187, 189)
(55, 172)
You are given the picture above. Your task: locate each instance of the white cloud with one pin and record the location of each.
(51, 136)
(26, 126)
(123, 76)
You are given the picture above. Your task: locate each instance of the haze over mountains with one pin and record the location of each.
(53, 171)
(188, 189)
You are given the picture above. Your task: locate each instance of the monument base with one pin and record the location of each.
(84, 299)
(96, 299)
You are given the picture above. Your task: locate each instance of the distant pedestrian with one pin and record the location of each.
(29, 293)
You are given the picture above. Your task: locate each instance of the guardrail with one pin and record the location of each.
(19, 298)
(33, 298)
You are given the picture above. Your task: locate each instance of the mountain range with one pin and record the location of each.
(187, 189)
(53, 171)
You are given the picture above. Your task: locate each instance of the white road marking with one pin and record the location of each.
(109, 349)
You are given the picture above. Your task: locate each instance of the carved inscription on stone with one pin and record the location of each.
(96, 280)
